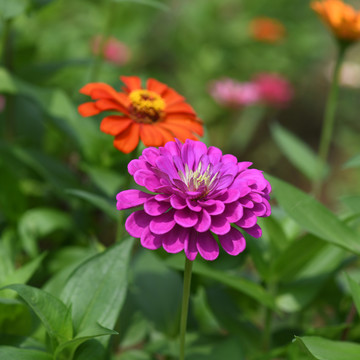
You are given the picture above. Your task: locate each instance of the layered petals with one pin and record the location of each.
(155, 114)
(198, 196)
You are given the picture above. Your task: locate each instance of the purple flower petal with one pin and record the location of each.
(186, 218)
(137, 222)
(187, 155)
(177, 202)
(150, 155)
(233, 212)
(163, 223)
(214, 154)
(248, 220)
(135, 165)
(228, 158)
(207, 246)
(131, 198)
(190, 247)
(246, 203)
(259, 209)
(193, 205)
(155, 208)
(149, 240)
(254, 231)
(204, 222)
(219, 225)
(243, 165)
(173, 242)
(254, 197)
(213, 207)
(233, 242)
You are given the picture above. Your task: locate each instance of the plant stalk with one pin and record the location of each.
(328, 122)
(185, 306)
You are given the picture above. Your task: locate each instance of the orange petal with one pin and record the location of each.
(172, 97)
(167, 136)
(128, 140)
(150, 135)
(180, 108)
(193, 126)
(114, 124)
(88, 109)
(131, 82)
(107, 104)
(156, 86)
(179, 132)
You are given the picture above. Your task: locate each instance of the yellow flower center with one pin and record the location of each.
(196, 179)
(146, 106)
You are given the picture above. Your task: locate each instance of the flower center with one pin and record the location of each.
(146, 106)
(198, 179)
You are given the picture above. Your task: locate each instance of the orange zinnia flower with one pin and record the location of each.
(156, 114)
(267, 30)
(342, 19)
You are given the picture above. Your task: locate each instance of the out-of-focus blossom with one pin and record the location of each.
(349, 75)
(230, 93)
(267, 30)
(114, 51)
(342, 19)
(194, 193)
(155, 114)
(2, 103)
(274, 90)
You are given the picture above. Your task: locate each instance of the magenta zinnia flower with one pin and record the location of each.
(197, 194)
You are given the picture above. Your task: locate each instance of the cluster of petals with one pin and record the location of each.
(112, 50)
(195, 194)
(342, 19)
(155, 114)
(270, 89)
(267, 30)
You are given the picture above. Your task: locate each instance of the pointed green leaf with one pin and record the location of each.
(323, 349)
(151, 3)
(13, 353)
(97, 288)
(66, 350)
(297, 152)
(52, 312)
(245, 286)
(313, 216)
(353, 162)
(96, 200)
(355, 291)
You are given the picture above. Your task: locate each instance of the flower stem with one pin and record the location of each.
(328, 123)
(185, 306)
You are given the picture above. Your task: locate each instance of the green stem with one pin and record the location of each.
(96, 67)
(185, 306)
(268, 318)
(328, 123)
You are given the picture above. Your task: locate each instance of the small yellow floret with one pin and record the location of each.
(147, 101)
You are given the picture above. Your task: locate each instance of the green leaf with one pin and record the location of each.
(323, 349)
(52, 312)
(98, 201)
(297, 152)
(352, 202)
(22, 274)
(245, 286)
(133, 355)
(353, 162)
(97, 288)
(67, 349)
(13, 8)
(313, 216)
(13, 353)
(355, 291)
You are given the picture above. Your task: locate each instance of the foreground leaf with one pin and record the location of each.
(54, 315)
(97, 288)
(323, 349)
(355, 291)
(353, 162)
(313, 216)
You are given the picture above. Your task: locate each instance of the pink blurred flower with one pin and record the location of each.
(274, 90)
(114, 51)
(194, 195)
(234, 94)
(2, 103)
